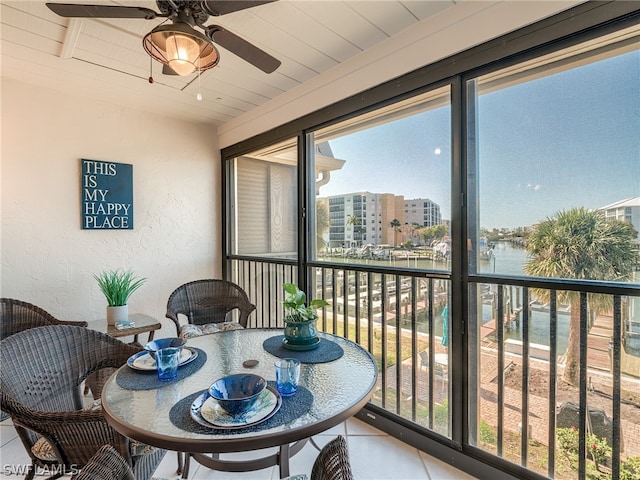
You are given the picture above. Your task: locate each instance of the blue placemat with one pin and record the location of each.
(292, 407)
(326, 351)
(146, 380)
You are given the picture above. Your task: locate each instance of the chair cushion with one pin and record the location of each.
(190, 331)
(137, 448)
(43, 450)
(95, 406)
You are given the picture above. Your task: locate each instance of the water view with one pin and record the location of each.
(505, 259)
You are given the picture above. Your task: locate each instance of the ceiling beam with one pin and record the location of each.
(71, 37)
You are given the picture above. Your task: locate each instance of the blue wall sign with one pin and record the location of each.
(107, 195)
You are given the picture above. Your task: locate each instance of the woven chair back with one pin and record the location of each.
(17, 316)
(332, 462)
(208, 301)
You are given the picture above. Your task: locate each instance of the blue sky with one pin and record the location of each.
(568, 139)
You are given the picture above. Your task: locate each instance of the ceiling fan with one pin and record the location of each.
(178, 45)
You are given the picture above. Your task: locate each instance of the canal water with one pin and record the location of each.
(506, 260)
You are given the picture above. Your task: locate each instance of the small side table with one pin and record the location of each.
(143, 324)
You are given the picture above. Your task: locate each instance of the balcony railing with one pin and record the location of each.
(520, 410)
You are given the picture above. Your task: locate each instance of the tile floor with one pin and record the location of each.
(374, 455)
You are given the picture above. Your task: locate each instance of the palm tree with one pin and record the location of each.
(357, 229)
(581, 244)
(395, 224)
(322, 224)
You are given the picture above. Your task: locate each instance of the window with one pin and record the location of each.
(394, 157)
(264, 213)
(554, 179)
(557, 134)
(544, 134)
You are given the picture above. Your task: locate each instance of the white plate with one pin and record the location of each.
(144, 361)
(207, 411)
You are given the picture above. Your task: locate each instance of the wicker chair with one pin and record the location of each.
(106, 464)
(16, 316)
(332, 463)
(42, 371)
(206, 304)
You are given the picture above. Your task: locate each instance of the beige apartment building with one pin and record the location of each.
(362, 218)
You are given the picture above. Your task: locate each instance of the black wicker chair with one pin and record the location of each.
(40, 388)
(106, 464)
(17, 316)
(207, 305)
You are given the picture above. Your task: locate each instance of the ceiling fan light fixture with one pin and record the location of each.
(182, 48)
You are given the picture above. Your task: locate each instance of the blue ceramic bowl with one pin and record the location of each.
(236, 394)
(171, 342)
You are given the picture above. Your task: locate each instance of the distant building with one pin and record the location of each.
(356, 219)
(627, 210)
(422, 212)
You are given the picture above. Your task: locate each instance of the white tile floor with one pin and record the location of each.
(374, 455)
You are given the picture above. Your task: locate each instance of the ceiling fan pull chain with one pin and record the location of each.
(199, 95)
(150, 70)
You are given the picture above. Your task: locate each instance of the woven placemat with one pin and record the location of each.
(146, 380)
(326, 351)
(292, 407)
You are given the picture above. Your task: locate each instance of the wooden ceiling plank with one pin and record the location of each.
(283, 44)
(344, 21)
(423, 10)
(32, 25)
(309, 30)
(391, 17)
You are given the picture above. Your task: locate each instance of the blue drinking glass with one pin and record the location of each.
(167, 360)
(287, 376)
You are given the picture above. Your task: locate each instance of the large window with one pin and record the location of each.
(554, 189)
(555, 144)
(262, 222)
(477, 234)
(383, 202)
(383, 186)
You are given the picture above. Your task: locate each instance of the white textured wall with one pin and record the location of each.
(47, 259)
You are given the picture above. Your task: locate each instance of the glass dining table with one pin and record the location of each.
(337, 379)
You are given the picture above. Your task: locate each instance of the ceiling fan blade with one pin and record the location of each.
(245, 50)
(222, 7)
(101, 11)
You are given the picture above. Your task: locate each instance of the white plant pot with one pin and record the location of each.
(117, 314)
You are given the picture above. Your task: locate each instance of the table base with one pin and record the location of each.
(212, 461)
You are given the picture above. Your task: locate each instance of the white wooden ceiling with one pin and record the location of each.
(104, 58)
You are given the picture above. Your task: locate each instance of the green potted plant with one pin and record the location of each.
(300, 332)
(117, 286)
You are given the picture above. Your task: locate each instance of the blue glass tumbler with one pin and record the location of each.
(167, 360)
(287, 376)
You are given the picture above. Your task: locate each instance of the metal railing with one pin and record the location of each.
(515, 364)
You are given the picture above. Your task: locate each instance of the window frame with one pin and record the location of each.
(573, 26)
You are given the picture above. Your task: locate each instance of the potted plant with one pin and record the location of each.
(117, 286)
(300, 332)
